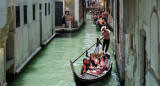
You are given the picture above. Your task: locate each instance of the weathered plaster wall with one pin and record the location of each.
(6, 16)
(142, 16)
(25, 40)
(138, 19)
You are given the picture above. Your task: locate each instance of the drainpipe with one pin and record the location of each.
(3, 13)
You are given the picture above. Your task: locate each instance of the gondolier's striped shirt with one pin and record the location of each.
(106, 34)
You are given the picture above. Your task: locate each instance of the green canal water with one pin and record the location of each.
(51, 67)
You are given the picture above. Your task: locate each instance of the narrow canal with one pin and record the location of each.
(51, 67)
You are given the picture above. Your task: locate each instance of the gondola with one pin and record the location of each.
(89, 79)
(99, 24)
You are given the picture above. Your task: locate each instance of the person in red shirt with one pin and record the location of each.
(71, 19)
(106, 34)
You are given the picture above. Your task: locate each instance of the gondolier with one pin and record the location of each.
(106, 41)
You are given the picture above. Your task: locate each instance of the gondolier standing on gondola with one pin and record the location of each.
(106, 34)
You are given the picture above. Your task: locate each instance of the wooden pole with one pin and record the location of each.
(86, 50)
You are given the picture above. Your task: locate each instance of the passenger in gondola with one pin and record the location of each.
(102, 64)
(92, 60)
(85, 66)
(98, 48)
(103, 22)
(102, 53)
(100, 16)
(103, 16)
(107, 63)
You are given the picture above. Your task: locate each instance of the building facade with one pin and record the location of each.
(25, 26)
(31, 28)
(6, 15)
(137, 41)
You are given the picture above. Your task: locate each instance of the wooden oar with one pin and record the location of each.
(86, 50)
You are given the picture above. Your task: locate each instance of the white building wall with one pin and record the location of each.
(27, 37)
(77, 11)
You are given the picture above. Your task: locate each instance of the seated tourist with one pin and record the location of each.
(102, 64)
(84, 66)
(103, 22)
(92, 60)
(102, 53)
(107, 63)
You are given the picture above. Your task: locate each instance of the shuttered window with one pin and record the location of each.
(34, 12)
(25, 14)
(49, 9)
(45, 9)
(17, 16)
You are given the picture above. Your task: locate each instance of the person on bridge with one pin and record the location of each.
(106, 34)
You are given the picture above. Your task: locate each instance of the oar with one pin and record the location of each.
(86, 50)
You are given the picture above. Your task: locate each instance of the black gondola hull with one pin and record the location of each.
(91, 82)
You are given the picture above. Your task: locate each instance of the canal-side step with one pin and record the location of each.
(9, 63)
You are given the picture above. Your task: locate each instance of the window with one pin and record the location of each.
(34, 12)
(17, 16)
(45, 9)
(49, 9)
(40, 6)
(25, 14)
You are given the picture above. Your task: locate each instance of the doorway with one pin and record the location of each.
(58, 13)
